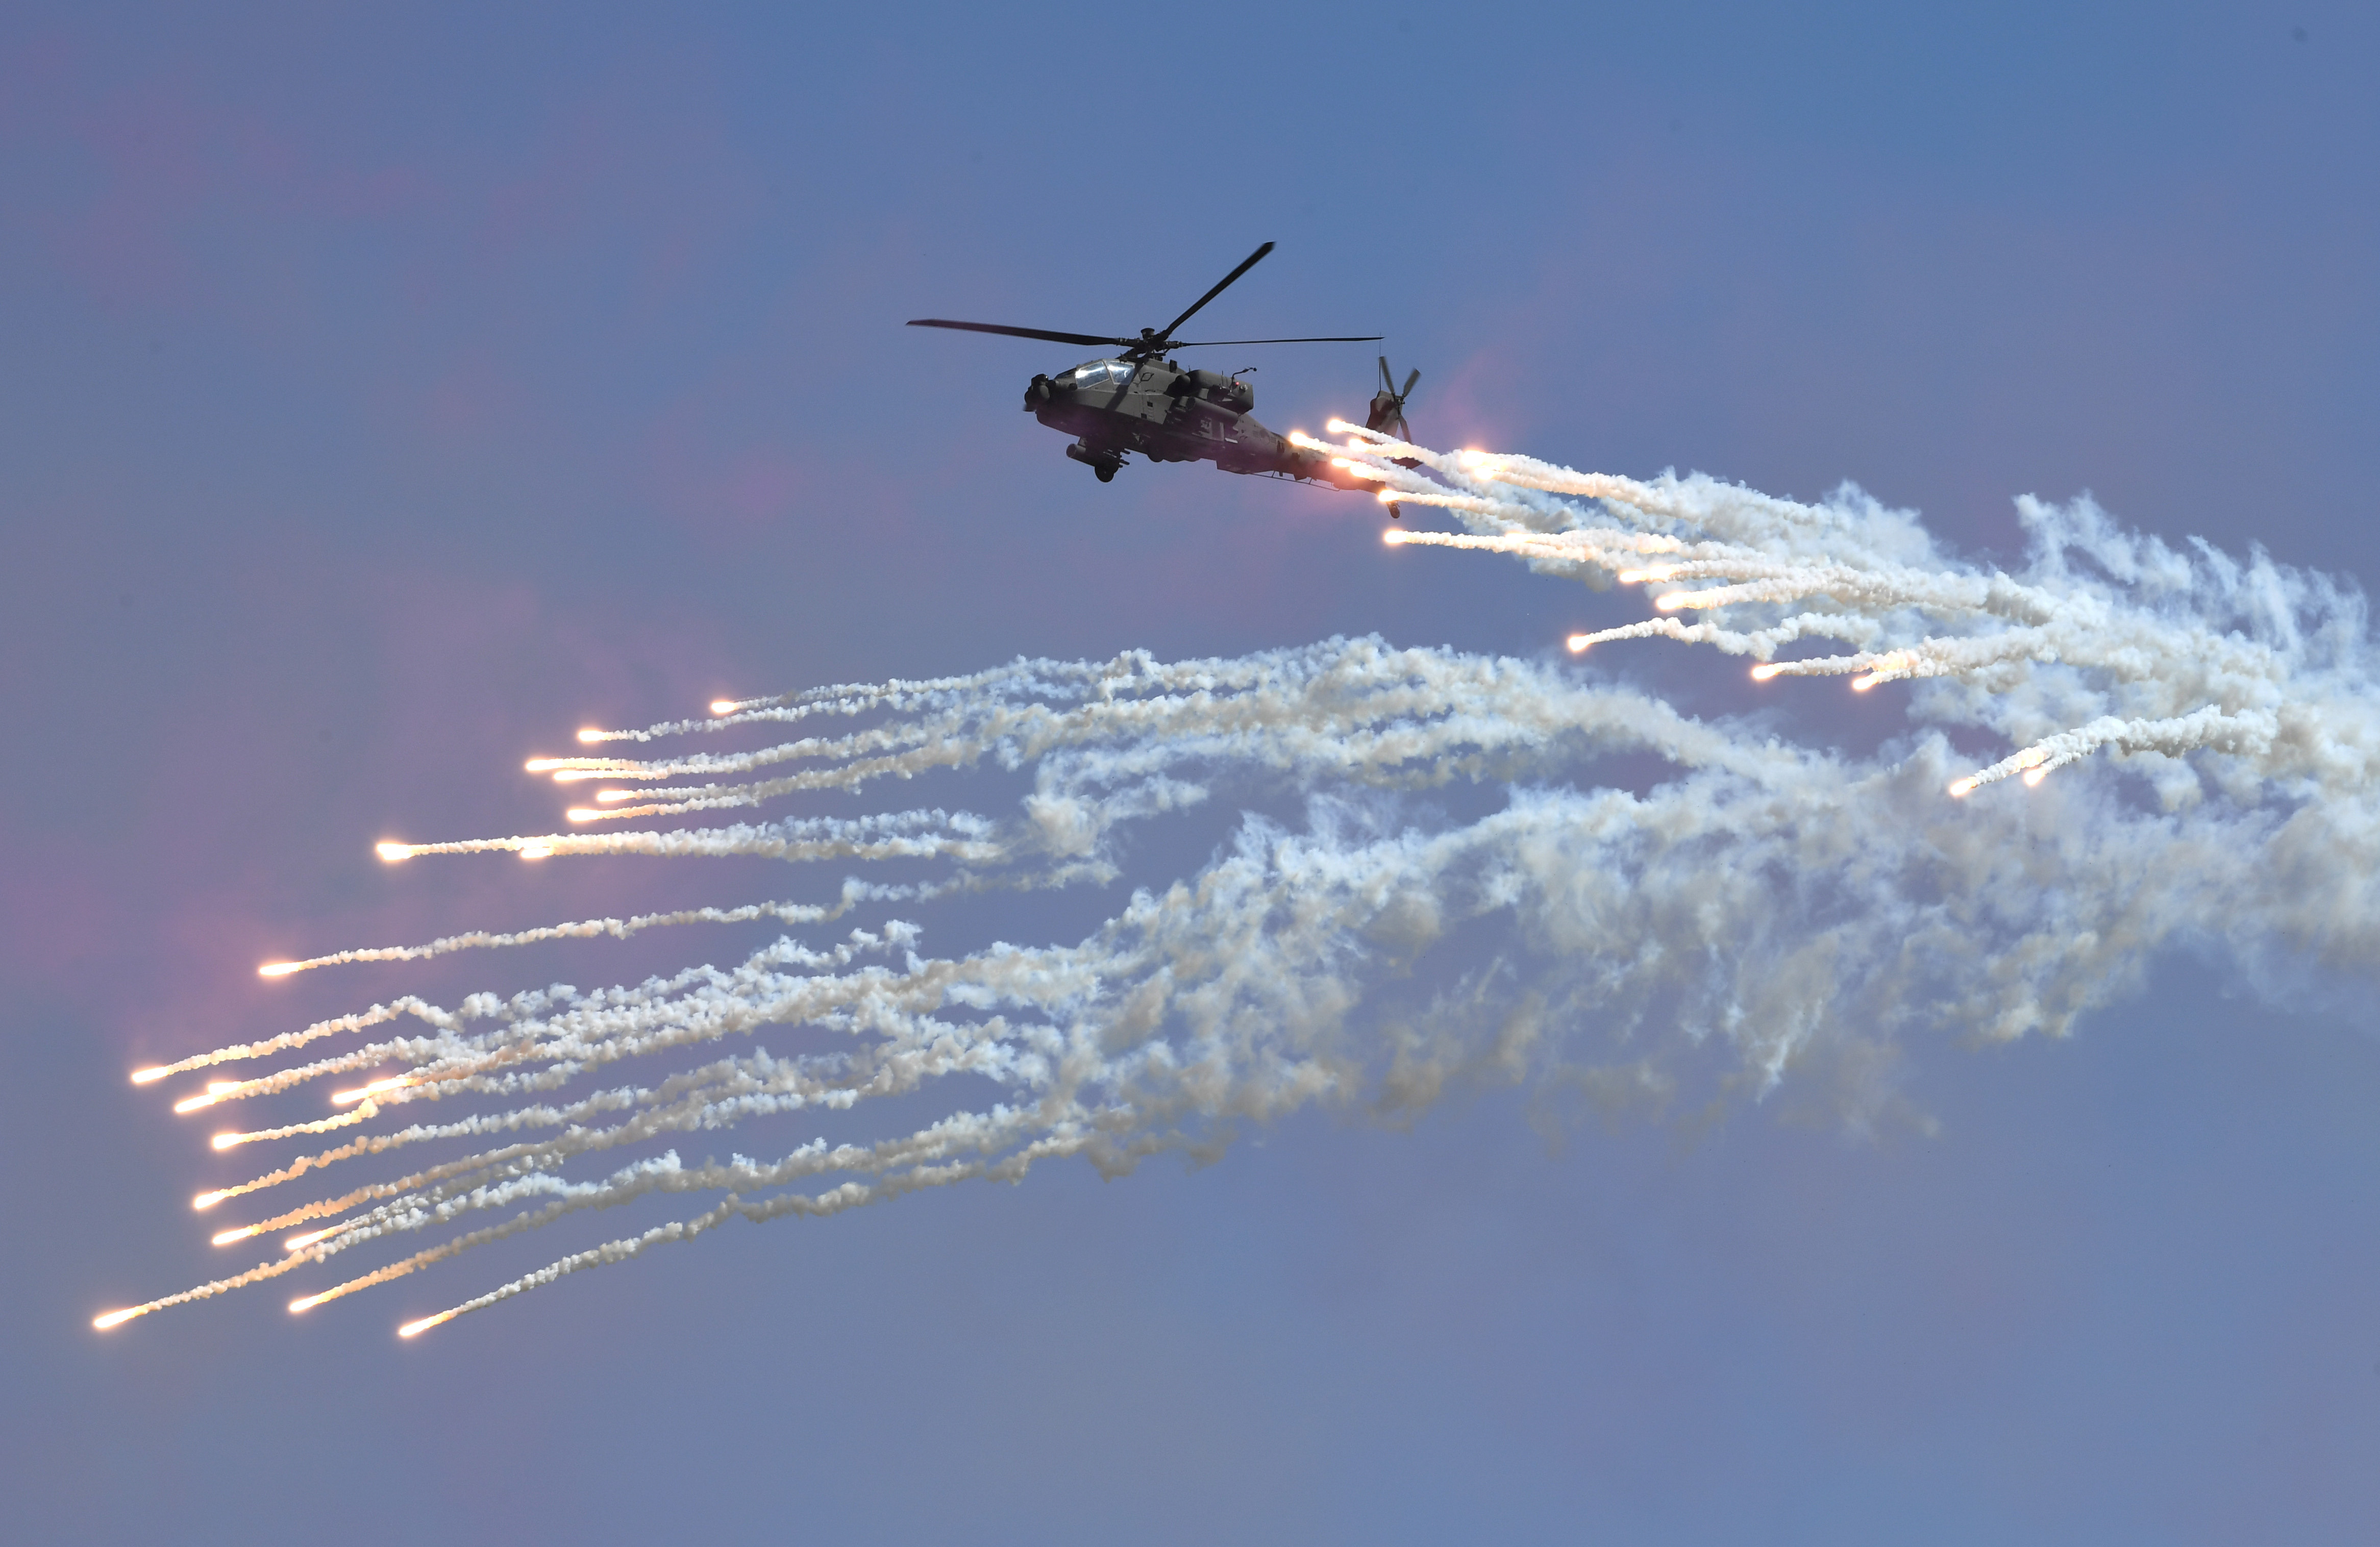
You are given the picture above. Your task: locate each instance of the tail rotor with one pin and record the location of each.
(1388, 411)
(1388, 414)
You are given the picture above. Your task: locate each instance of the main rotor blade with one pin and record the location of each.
(1246, 264)
(1409, 381)
(1087, 340)
(1212, 343)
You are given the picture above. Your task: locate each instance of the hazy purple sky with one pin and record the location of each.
(382, 396)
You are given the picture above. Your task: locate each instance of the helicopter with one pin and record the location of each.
(1139, 399)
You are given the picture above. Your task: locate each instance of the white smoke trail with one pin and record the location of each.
(1761, 910)
(2176, 652)
(618, 929)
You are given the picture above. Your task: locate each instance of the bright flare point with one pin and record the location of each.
(142, 1076)
(1762, 672)
(276, 969)
(391, 852)
(723, 706)
(591, 735)
(114, 1317)
(1962, 788)
(1579, 642)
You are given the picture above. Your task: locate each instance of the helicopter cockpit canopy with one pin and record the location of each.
(1098, 373)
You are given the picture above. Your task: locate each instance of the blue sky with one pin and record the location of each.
(390, 394)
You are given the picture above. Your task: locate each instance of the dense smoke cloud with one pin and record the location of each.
(1439, 877)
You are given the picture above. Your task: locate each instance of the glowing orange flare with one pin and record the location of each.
(544, 765)
(1762, 673)
(1386, 496)
(192, 1102)
(411, 1328)
(723, 706)
(278, 969)
(305, 1303)
(2034, 775)
(1962, 788)
(580, 813)
(1340, 427)
(590, 734)
(344, 1098)
(537, 852)
(1393, 537)
(391, 852)
(1861, 685)
(1304, 441)
(142, 1076)
(207, 1199)
(226, 1140)
(114, 1318)
(1672, 602)
(1578, 642)
(226, 1237)
(300, 1243)
(1650, 572)
(616, 794)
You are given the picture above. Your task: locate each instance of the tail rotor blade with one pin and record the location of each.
(1409, 381)
(1388, 377)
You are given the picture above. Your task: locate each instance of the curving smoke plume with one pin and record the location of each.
(1468, 889)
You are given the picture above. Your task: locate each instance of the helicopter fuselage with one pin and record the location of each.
(1165, 413)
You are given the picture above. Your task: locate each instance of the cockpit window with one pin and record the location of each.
(1101, 373)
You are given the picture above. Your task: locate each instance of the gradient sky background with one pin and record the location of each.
(383, 396)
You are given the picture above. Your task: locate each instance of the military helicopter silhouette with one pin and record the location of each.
(1138, 400)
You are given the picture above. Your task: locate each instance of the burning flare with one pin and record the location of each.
(1743, 910)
